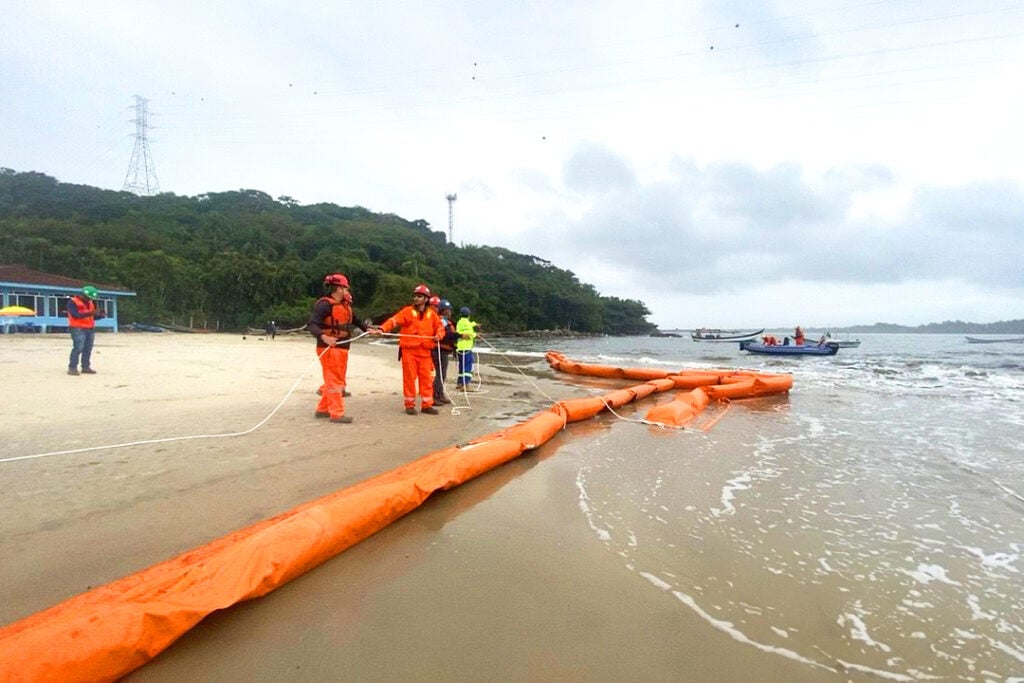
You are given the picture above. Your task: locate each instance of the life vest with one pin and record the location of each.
(85, 306)
(337, 323)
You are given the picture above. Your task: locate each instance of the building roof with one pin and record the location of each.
(26, 276)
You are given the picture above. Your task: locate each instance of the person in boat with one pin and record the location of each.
(769, 340)
(798, 336)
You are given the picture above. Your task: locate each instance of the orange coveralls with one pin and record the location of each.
(334, 360)
(420, 333)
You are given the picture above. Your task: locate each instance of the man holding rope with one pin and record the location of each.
(331, 322)
(420, 330)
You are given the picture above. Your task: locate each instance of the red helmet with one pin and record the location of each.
(434, 300)
(336, 280)
(422, 289)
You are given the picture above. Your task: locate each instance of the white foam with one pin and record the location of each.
(859, 631)
(728, 628)
(926, 573)
(739, 483)
(886, 674)
(995, 560)
(977, 613)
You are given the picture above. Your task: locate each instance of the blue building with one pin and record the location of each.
(48, 296)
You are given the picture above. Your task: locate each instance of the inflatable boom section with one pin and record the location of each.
(704, 386)
(109, 631)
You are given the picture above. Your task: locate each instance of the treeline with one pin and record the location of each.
(947, 327)
(231, 260)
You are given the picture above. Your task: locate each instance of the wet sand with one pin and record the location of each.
(465, 587)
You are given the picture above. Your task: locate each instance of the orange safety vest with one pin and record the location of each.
(423, 329)
(84, 306)
(337, 322)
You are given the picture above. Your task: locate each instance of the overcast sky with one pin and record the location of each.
(730, 163)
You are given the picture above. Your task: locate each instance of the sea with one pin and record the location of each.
(869, 523)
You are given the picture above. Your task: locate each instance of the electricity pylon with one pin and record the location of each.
(141, 177)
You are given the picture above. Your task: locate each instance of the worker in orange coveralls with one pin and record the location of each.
(420, 329)
(331, 322)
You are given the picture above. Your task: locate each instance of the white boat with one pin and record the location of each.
(707, 334)
(1005, 340)
(843, 343)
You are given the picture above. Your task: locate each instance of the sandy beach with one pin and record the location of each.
(76, 520)
(532, 597)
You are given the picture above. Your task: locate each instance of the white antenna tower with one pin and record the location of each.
(451, 215)
(141, 176)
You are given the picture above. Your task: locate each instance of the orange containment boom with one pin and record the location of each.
(704, 385)
(109, 631)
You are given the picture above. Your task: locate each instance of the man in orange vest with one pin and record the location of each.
(420, 331)
(82, 317)
(331, 322)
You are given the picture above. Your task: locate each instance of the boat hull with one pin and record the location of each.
(826, 349)
(1011, 340)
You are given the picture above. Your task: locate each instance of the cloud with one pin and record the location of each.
(724, 227)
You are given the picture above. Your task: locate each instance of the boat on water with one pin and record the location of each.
(707, 334)
(1005, 340)
(843, 343)
(828, 348)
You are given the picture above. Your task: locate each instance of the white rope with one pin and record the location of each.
(642, 421)
(183, 438)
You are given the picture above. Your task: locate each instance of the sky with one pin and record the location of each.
(729, 163)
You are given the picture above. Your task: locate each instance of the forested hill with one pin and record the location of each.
(236, 259)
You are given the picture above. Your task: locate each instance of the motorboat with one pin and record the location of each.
(843, 343)
(828, 348)
(707, 334)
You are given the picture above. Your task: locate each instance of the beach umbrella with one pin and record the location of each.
(16, 310)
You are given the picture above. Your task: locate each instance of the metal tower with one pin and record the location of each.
(451, 215)
(141, 176)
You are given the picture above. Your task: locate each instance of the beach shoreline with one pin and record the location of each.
(74, 521)
(470, 585)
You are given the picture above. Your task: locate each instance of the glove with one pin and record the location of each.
(99, 315)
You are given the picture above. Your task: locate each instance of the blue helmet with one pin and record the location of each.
(443, 304)
(465, 310)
